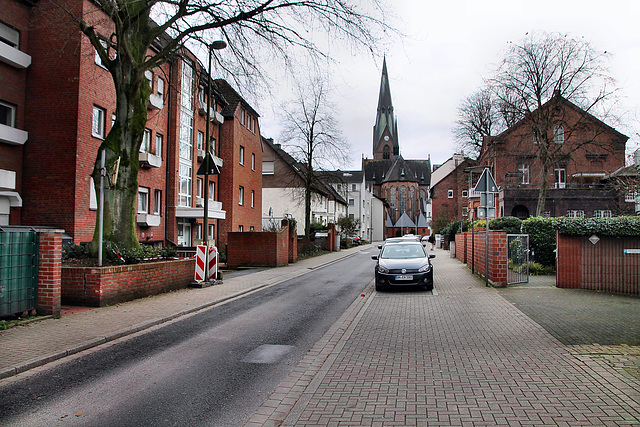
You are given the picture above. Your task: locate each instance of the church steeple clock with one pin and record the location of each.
(385, 131)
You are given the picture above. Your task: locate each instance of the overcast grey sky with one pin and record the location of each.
(450, 47)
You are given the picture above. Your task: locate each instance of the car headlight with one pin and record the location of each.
(424, 268)
(382, 269)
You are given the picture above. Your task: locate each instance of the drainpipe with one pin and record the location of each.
(167, 156)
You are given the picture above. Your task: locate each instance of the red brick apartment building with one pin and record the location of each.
(56, 105)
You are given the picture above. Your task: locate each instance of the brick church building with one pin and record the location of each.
(401, 183)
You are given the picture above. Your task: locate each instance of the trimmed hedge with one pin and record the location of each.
(542, 239)
(620, 226)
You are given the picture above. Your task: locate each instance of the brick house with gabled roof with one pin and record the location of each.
(283, 184)
(586, 150)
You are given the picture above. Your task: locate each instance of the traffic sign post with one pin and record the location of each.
(487, 188)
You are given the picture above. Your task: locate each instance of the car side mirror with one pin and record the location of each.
(379, 246)
(374, 257)
(432, 256)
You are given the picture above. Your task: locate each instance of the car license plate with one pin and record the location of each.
(409, 277)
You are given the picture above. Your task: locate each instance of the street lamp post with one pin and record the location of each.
(217, 45)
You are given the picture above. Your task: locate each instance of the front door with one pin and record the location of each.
(184, 233)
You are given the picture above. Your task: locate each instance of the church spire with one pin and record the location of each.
(385, 131)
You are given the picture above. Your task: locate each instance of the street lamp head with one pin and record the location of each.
(218, 44)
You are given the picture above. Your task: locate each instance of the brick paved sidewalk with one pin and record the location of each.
(35, 344)
(462, 356)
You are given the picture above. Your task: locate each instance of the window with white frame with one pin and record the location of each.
(149, 76)
(186, 112)
(558, 134)
(157, 202)
(199, 231)
(160, 86)
(523, 169)
(97, 58)
(465, 193)
(253, 199)
(351, 202)
(600, 213)
(7, 114)
(9, 35)
(201, 98)
(146, 141)
(200, 140)
(631, 197)
(268, 167)
(212, 191)
(450, 194)
(575, 213)
(465, 211)
(253, 161)
(212, 146)
(97, 128)
(241, 195)
(561, 177)
(212, 230)
(546, 214)
(241, 228)
(199, 186)
(159, 140)
(242, 155)
(184, 185)
(252, 228)
(143, 200)
(354, 187)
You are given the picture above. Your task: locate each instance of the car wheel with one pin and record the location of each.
(379, 287)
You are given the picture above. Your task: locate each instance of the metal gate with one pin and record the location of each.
(18, 271)
(517, 258)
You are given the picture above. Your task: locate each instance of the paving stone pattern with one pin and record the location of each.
(463, 356)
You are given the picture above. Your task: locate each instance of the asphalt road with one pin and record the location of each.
(213, 368)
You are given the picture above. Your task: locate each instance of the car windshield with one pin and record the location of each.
(402, 251)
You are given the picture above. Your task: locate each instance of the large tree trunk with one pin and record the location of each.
(123, 142)
(542, 191)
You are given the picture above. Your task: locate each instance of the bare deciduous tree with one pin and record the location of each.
(478, 117)
(255, 30)
(534, 76)
(313, 137)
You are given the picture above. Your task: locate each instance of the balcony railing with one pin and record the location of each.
(148, 160)
(14, 57)
(155, 102)
(11, 135)
(148, 220)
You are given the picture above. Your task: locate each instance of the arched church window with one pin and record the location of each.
(412, 200)
(403, 199)
(385, 152)
(392, 199)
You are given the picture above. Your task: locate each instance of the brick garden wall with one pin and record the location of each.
(603, 266)
(101, 286)
(474, 252)
(263, 249)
